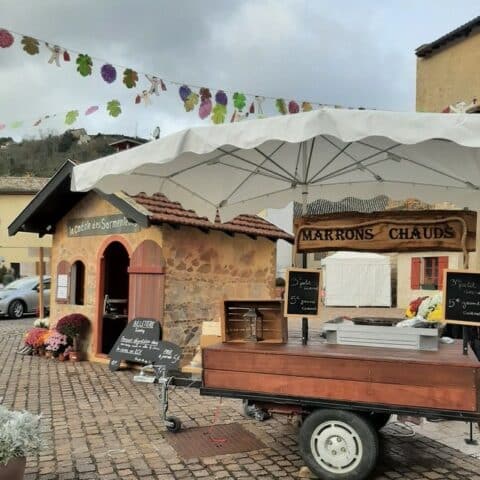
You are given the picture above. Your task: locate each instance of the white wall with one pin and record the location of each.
(282, 218)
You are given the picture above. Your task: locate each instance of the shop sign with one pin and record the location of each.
(384, 235)
(461, 293)
(104, 225)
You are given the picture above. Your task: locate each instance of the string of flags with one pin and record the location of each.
(207, 102)
(112, 108)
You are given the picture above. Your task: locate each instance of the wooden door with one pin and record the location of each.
(147, 282)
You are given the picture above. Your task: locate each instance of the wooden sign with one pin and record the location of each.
(140, 343)
(389, 231)
(302, 293)
(104, 225)
(461, 297)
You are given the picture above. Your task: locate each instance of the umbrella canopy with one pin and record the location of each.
(248, 166)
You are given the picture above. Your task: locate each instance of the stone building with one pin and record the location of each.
(116, 257)
(447, 70)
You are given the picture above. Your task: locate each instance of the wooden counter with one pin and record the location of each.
(445, 379)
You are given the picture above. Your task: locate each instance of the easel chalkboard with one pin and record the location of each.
(302, 293)
(140, 343)
(461, 297)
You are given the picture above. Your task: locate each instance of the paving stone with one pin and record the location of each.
(101, 425)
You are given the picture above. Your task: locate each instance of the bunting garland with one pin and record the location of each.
(192, 97)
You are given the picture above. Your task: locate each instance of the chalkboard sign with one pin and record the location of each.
(302, 293)
(140, 343)
(461, 297)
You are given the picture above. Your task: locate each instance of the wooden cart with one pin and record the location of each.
(345, 394)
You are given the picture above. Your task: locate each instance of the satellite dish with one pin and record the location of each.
(156, 133)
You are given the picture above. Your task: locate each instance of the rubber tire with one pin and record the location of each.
(11, 309)
(364, 429)
(177, 424)
(378, 420)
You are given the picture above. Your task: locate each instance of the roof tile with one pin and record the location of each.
(163, 210)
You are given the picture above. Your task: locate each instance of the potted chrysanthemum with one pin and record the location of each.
(73, 326)
(19, 437)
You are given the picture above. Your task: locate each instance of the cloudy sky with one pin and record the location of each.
(346, 52)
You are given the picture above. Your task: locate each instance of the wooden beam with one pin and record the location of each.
(41, 308)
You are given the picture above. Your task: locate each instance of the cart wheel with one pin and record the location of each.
(173, 424)
(378, 420)
(338, 444)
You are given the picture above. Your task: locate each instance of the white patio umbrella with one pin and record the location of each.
(248, 166)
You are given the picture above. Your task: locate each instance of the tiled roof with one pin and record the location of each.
(22, 184)
(349, 204)
(461, 32)
(162, 210)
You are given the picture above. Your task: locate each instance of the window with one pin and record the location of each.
(427, 273)
(77, 283)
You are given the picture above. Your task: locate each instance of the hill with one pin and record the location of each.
(41, 157)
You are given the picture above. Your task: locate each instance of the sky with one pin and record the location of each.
(343, 52)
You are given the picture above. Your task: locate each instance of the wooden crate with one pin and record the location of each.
(235, 328)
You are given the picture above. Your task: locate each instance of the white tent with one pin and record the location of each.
(357, 279)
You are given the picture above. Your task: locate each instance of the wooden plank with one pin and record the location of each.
(340, 369)
(446, 354)
(447, 398)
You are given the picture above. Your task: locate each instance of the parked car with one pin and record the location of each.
(21, 297)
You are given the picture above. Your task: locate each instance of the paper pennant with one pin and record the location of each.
(281, 106)
(71, 117)
(31, 45)
(108, 72)
(84, 65)
(239, 101)
(113, 108)
(2, 126)
(6, 38)
(130, 78)
(293, 107)
(91, 110)
(16, 124)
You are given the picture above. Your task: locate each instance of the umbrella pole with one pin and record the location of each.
(304, 265)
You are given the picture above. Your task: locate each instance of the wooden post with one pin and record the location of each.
(476, 264)
(41, 309)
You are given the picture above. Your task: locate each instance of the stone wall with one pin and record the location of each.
(204, 269)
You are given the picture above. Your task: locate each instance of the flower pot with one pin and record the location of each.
(48, 354)
(75, 356)
(61, 357)
(13, 470)
(41, 351)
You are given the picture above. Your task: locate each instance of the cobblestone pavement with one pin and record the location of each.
(100, 425)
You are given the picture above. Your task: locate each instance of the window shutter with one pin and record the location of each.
(415, 273)
(442, 265)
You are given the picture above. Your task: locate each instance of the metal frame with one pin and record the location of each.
(354, 406)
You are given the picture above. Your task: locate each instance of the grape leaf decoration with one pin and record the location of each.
(239, 100)
(6, 38)
(281, 106)
(205, 108)
(114, 109)
(71, 117)
(307, 107)
(293, 107)
(84, 65)
(191, 102)
(205, 94)
(219, 113)
(130, 78)
(184, 91)
(30, 45)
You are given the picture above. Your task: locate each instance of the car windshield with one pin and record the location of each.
(22, 283)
